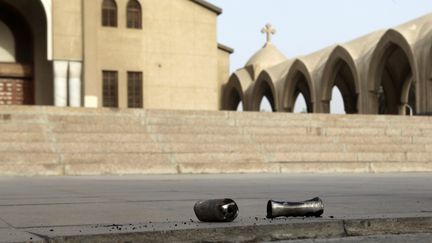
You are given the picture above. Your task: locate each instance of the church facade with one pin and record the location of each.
(153, 54)
(385, 72)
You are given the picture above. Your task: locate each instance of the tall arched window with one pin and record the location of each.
(109, 13)
(134, 15)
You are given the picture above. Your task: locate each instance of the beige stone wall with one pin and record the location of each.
(67, 29)
(223, 72)
(176, 50)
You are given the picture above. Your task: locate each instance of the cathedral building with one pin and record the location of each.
(153, 54)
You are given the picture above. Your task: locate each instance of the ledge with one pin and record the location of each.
(208, 6)
(225, 48)
(15, 70)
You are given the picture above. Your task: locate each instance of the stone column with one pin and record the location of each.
(324, 108)
(60, 83)
(75, 69)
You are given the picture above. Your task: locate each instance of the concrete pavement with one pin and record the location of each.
(418, 238)
(41, 207)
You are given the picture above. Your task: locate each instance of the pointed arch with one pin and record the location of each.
(423, 52)
(233, 94)
(424, 90)
(298, 80)
(134, 15)
(263, 87)
(340, 71)
(392, 65)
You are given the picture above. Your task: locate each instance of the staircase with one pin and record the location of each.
(68, 141)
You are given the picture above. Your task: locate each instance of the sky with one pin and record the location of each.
(306, 26)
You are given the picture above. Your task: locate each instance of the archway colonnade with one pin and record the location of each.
(381, 73)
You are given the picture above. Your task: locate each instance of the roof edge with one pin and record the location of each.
(208, 6)
(225, 48)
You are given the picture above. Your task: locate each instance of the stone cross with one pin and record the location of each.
(268, 30)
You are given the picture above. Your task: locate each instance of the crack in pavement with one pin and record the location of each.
(7, 223)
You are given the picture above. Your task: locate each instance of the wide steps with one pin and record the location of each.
(66, 141)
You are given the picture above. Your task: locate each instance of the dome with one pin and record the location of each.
(268, 56)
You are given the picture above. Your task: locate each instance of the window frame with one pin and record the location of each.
(134, 15)
(110, 89)
(109, 13)
(135, 94)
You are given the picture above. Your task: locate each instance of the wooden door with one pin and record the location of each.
(16, 84)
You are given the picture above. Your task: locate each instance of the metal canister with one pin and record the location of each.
(217, 210)
(309, 208)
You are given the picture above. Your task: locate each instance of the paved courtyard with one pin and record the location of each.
(60, 205)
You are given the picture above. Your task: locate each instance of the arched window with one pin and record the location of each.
(134, 15)
(109, 13)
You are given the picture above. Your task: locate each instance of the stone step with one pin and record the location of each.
(381, 124)
(326, 121)
(375, 140)
(28, 158)
(104, 147)
(115, 158)
(210, 148)
(31, 169)
(93, 119)
(24, 137)
(324, 117)
(71, 141)
(208, 114)
(137, 147)
(234, 157)
(134, 127)
(71, 111)
(103, 137)
(202, 138)
(128, 117)
(223, 167)
(193, 130)
(287, 139)
(337, 157)
(96, 128)
(125, 168)
(355, 167)
(312, 157)
(18, 128)
(22, 118)
(178, 114)
(303, 148)
(385, 148)
(372, 131)
(422, 140)
(420, 157)
(291, 130)
(313, 139)
(118, 164)
(253, 131)
(189, 121)
(26, 147)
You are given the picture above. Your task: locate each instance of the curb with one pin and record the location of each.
(257, 233)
